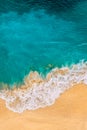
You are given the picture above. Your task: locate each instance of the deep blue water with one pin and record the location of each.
(32, 39)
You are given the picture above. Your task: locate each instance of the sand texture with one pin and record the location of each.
(68, 113)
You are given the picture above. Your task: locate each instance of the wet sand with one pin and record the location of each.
(69, 112)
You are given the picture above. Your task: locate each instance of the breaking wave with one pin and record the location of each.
(38, 92)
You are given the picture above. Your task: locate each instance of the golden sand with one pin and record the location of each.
(68, 113)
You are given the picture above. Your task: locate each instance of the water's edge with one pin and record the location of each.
(38, 92)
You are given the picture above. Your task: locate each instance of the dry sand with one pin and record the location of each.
(68, 113)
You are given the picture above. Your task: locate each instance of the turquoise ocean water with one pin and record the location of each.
(34, 35)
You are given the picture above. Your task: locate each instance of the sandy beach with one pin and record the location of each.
(69, 112)
(43, 65)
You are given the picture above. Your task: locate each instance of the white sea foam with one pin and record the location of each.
(37, 92)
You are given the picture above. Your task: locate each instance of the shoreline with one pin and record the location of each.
(37, 92)
(67, 112)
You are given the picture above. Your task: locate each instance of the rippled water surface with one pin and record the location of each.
(40, 36)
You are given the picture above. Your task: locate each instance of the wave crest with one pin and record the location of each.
(37, 92)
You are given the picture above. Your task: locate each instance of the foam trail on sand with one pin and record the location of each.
(37, 92)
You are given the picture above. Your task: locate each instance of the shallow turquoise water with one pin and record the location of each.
(34, 39)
